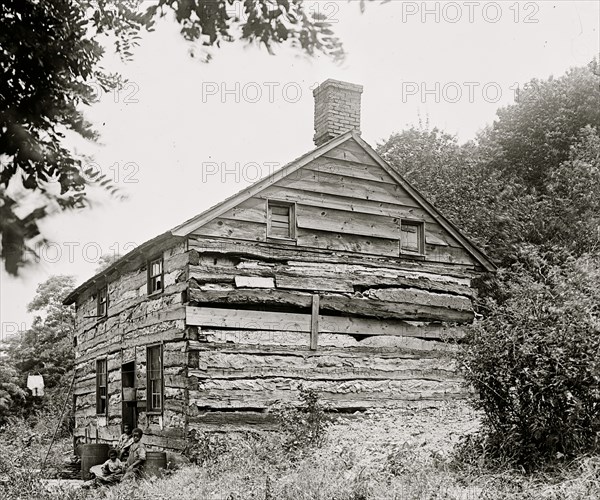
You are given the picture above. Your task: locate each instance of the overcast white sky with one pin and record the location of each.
(183, 135)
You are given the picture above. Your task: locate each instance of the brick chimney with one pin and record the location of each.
(337, 109)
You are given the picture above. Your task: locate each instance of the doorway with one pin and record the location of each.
(129, 408)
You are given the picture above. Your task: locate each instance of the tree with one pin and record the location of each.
(264, 22)
(50, 59)
(105, 261)
(528, 192)
(534, 360)
(47, 347)
(531, 178)
(573, 205)
(535, 134)
(492, 209)
(12, 394)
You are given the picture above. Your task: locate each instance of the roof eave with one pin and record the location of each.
(475, 252)
(102, 275)
(217, 210)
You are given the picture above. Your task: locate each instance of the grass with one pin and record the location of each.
(401, 454)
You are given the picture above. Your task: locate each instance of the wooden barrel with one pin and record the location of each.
(92, 454)
(155, 462)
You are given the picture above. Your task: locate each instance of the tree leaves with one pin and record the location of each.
(533, 361)
(50, 55)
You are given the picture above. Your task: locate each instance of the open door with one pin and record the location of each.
(129, 410)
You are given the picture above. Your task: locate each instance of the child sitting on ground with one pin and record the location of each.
(112, 469)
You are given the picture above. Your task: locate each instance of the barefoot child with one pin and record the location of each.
(112, 469)
(137, 455)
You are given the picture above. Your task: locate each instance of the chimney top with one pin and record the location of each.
(337, 109)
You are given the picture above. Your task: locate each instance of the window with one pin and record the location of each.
(281, 221)
(155, 276)
(102, 299)
(101, 387)
(154, 378)
(411, 238)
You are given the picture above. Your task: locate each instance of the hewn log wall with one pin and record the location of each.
(339, 309)
(246, 320)
(382, 339)
(134, 321)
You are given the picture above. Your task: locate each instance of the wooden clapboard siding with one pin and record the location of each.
(351, 187)
(344, 222)
(344, 201)
(335, 201)
(327, 164)
(252, 210)
(233, 228)
(328, 241)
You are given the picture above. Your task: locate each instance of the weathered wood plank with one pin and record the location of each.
(328, 276)
(420, 297)
(314, 283)
(250, 296)
(326, 240)
(230, 228)
(347, 222)
(314, 323)
(273, 252)
(335, 164)
(297, 344)
(394, 304)
(232, 421)
(254, 282)
(244, 319)
(267, 320)
(251, 210)
(351, 151)
(322, 182)
(263, 393)
(328, 365)
(335, 201)
(448, 254)
(165, 332)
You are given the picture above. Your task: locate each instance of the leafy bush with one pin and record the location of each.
(304, 426)
(204, 448)
(534, 360)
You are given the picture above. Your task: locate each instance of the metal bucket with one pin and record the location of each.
(156, 462)
(129, 393)
(92, 454)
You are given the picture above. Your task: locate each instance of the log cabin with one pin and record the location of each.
(333, 273)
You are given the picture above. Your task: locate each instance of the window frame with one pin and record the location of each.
(99, 396)
(99, 302)
(291, 206)
(150, 407)
(151, 277)
(420, 225)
